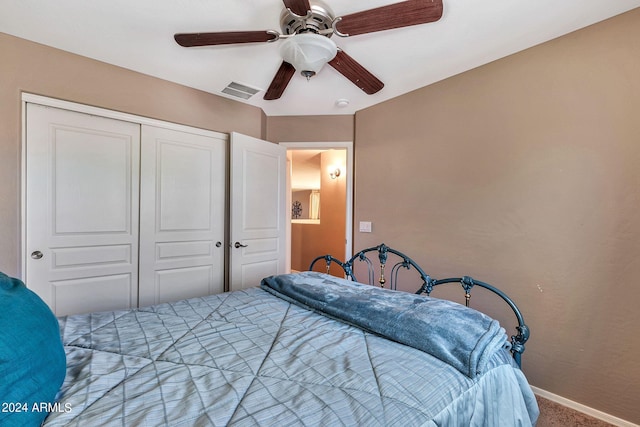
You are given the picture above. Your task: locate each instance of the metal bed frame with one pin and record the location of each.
(428, 283)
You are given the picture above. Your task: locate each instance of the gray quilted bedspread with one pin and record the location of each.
(249, 358)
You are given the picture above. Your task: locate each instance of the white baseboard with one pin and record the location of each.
(582, 408)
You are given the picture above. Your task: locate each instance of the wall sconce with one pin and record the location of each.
(335, 173)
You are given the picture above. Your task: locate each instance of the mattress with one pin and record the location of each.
(249, 358)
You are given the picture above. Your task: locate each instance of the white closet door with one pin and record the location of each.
(81, 210)
(182, 211)
(258, 215)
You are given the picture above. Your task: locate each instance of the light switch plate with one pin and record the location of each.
(365, 226)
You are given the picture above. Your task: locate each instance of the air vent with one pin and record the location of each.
(239, 90)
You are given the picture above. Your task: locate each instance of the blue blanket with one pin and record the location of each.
(462, 337)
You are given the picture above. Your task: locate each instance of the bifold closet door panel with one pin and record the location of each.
(81, 210)
(182, 215)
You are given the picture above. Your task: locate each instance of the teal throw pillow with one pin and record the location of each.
(32, 358)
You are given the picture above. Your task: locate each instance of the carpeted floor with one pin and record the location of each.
(555, 415)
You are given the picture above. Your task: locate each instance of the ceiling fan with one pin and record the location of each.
(307, 26)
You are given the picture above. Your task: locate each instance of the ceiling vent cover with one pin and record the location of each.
(239, 90)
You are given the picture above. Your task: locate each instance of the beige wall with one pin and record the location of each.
(34, 68)
(526, 173)
(309, 128)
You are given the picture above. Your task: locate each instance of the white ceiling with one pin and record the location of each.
(138, 35)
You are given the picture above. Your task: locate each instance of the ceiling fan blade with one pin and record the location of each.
(299, 7)
(397, 15)
(359, 76)
(280, 81)
(228, 37)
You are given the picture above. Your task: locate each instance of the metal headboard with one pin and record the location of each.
(467, 283)
(383, 252)
(428, 283)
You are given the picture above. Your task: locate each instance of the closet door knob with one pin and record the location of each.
(36, 255)
(218, 244)
(239, 245)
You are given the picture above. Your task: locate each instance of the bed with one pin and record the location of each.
(300, 349)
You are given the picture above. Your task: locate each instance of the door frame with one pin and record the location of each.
(348, 146)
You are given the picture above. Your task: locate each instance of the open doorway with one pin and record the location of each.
(320, 187)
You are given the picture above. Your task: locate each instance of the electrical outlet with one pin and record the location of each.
(365, 226)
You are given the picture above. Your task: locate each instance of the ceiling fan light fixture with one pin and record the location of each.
(308, 52)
